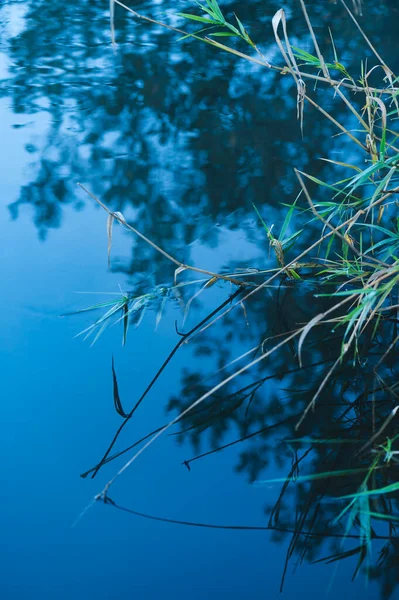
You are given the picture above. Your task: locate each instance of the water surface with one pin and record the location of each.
(182, 140)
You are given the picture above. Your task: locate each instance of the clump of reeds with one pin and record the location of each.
(357, 257)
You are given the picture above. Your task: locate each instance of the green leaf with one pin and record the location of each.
(382, 516)
(93, 307)
(232, 28)
(323, 183)
(211, 13)
(242, 28)
(303, 55)
(383, 230)
(287, 221)
(364, 175)
(305, 478)
(267, 229)
(197, 18)
(394, 487)
(214, 6)
(195, 33)
(289, 241)
(223, 34)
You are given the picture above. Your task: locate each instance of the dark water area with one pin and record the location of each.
(183, 140)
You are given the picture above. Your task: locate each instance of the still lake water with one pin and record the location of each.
(182, 140)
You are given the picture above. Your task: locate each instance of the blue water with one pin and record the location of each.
(154, 130)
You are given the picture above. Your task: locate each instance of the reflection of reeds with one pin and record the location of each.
(358, 268)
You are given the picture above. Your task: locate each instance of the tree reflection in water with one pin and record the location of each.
(185, 138)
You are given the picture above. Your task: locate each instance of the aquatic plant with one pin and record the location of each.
(354, 259)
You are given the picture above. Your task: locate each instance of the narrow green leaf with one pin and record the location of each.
(305, 478)
(267, 229)
(216, 9)
(223, 34)
(197, 18)
(394, 487)
(287, 221)
(242, 28)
